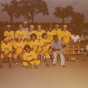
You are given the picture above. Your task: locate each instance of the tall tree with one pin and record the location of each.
(31, 8)
(78, 20)
(26, 8)
(12, 9)
(63, 12)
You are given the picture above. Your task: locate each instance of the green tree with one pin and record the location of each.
(26, 8)
(12, 9)
(30, 8)
(78, 20)
(63, 12)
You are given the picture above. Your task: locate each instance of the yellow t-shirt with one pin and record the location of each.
(18, 34)
(6, 33)
(18, 46)
(6, 48)
(34, 45)
(9, 34)
(39, 34)
(51, 34)
(44, 47)
(24, 34)
(60, 34)
(67, 37)
(29, 56)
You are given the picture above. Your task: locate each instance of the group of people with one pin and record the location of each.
(32, 46)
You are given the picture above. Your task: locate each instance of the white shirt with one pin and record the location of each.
(75, 38)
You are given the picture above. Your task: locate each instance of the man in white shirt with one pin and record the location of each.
(75, 38)
(76, 43)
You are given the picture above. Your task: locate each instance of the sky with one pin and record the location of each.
(78, 5)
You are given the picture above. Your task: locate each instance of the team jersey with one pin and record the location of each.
(29, 56)
(67, 37)
(18, 34)
(6, 33)
(34, 45)
(52, 33)
(45, 47)
(60, 33)
(24, 34)
(6, 48)
(39, 34)
(9, 34)
(18, 46)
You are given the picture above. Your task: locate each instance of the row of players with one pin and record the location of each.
(36, 46)
(25, 32)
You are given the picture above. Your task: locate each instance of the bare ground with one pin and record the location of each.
(74, 75)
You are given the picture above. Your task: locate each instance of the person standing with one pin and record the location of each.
(57, 50)
(76, 43)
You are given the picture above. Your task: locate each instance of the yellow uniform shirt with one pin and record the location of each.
(18, 46)
(18, 34)
(9, 34)
(29, 56)
(45, 47)
(51, 34)
(34, 45)
(24, 34)
(60, 34)
(67, 37)
(39, 34)
(6, 33)
(6, 48)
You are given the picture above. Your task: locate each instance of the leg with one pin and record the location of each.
(1, 59)
(55, 54)
(62, 59)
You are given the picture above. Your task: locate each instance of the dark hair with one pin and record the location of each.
(44, 34)
(55, 37)
(33, 35)
(27, 47)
